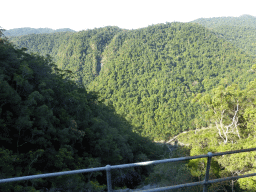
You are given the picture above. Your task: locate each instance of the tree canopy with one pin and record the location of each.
(49, 124)
(154, 82)
(151, 74)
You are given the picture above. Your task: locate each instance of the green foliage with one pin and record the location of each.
(209, 139)
(223, 108)
(144, 80)
(95, 186)
(50, 124)
(148, 75)
(243, 20)
(240, 31)
(79, 52)
(248, 184)
(169, 174)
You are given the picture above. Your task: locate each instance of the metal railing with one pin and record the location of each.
(108, 168)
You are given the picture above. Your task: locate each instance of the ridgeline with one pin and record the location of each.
(102, 96)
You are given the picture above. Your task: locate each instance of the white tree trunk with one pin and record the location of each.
(225, 130)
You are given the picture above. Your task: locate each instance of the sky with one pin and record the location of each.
(127, 14)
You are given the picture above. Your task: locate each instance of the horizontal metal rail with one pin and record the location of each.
(108, 168)
(198, 183)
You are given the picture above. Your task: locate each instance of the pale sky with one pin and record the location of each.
(128, 14)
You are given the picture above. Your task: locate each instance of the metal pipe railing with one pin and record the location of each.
(108, 169)
(207, 171)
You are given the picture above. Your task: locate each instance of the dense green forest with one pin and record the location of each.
(241, 31)
(136, 86)
(149, 75)
(50, 124)
(79, 52)
(28, 31)
(231, 112)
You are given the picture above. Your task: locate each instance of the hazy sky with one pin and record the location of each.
(129, 14)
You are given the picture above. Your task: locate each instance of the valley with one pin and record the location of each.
(108, 95)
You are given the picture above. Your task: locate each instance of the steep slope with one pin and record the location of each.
(44, 44)
(232, 112)
(49, 124)
(79, 52)
(151, 74)
(233, 128)
(241, 31)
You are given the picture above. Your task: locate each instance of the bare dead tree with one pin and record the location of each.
(225, 130)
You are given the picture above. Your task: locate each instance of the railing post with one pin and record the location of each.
(108, 170)
(207, 171)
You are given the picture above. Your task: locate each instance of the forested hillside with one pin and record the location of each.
(50, 124)
(232, 114)
(80, 52)
(149, 75)
(112, 88)
(241, 31)
(28, 30)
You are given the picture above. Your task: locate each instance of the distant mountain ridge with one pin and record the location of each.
(156, 80)
(241, 21)
(240, 31)
(28, 31)
(150, 75)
